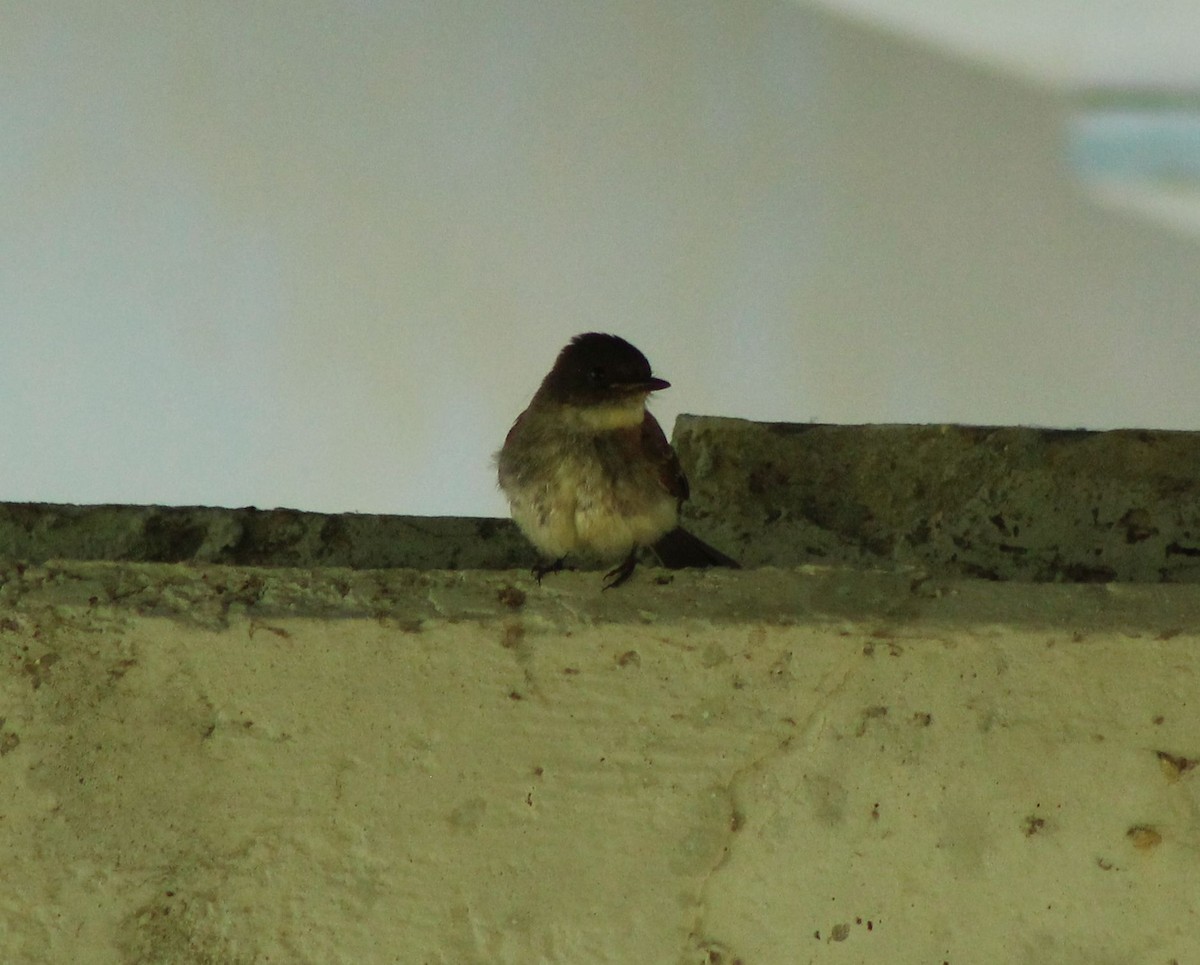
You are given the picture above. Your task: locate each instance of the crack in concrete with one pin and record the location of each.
(716, 952)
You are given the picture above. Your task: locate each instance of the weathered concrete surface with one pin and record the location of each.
(214, 764)
(1041, 505)
(1001, 503)
(36, 532)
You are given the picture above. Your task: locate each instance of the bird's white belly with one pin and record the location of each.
(597, 519)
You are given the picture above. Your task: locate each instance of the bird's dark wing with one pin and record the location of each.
(656, 447)
(678, 548)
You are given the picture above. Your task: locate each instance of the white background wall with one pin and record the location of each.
(320, 255)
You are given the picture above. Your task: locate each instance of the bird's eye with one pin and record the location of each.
(596, 375)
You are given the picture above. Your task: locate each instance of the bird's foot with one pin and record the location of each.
(619, 574)
(543, 568)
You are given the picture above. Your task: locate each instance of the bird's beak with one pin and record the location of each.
(650, 385)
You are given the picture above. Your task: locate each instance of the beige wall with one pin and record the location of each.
(282, 254)
(206, 764)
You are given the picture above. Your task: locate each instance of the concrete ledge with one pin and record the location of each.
(1024, 504)
(242, 737)
(37, 532)
(1000, 503)
(210, 596)
(223, 764)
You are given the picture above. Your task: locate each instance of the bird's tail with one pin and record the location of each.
(679, 550)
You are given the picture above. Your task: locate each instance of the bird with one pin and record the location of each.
(588, 471)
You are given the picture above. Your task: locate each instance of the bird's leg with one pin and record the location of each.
(620, 573)
(543, 568)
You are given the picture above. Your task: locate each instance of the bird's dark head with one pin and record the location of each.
(596, 369)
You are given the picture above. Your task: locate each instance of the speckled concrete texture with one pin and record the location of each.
(245, 736)
(37, 532)
(1040, 505)
(204, 764)
(999, 503)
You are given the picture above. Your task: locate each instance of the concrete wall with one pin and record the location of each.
(204, 764)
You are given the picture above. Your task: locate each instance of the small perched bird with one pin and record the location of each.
(588, 471)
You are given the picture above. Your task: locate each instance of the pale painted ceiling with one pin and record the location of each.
(1071, 44)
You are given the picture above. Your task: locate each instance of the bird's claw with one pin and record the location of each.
(619, 574)
(543, 568)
